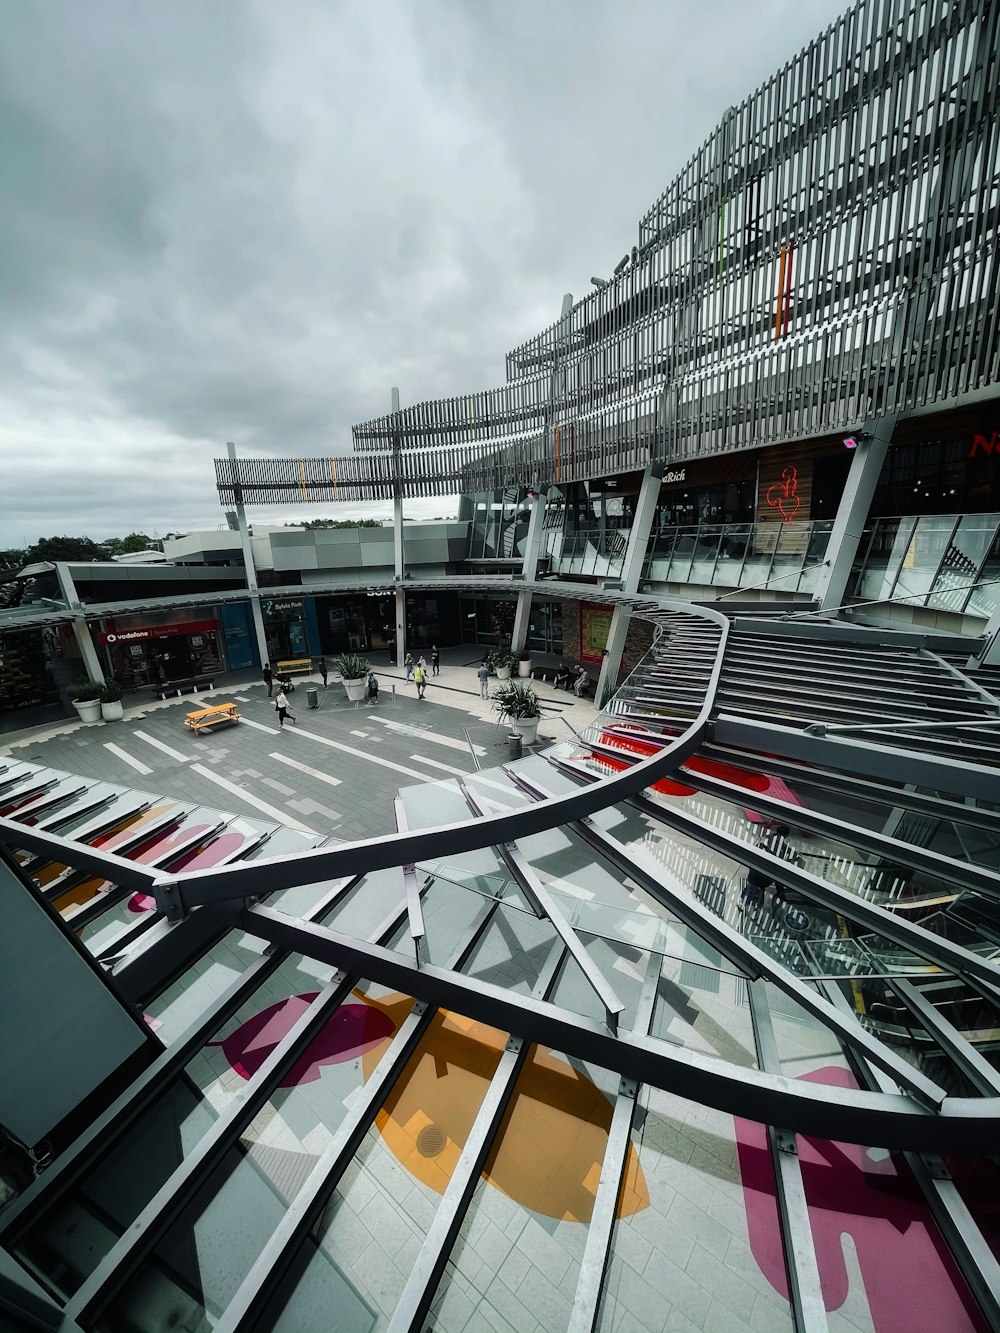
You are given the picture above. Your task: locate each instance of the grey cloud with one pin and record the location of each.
(247, 220)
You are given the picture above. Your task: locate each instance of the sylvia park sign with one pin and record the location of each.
(158, 631)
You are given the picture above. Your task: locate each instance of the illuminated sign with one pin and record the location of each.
(158, 631)
(679, 475)
(783, 495)
(987, 445)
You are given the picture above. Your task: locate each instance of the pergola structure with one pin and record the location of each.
(851, 944)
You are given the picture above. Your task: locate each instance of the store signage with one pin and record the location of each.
(679, 475)
(987, 445)
(158, 631)
(270, 608)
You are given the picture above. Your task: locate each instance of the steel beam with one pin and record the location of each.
(805, 1288)
(892, 1120)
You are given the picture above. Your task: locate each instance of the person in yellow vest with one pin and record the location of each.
(420, 680)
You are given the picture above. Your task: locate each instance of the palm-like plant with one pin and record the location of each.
(350, 666)
(516, 701)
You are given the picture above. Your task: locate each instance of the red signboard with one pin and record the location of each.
(158, 631)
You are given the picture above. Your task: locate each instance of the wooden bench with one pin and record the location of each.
(206, 718)
(298, 666)
(162, 688)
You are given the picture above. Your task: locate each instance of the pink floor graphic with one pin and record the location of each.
(911, 1282)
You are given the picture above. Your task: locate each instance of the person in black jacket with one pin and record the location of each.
(268, 678)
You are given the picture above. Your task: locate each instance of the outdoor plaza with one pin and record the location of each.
(682, 1016)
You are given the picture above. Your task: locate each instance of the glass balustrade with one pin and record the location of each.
(948, 562)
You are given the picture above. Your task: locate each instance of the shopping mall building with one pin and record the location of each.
(713, 985)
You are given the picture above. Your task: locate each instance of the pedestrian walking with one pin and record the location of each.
(435, 659)
(484, 681)
(282, 707)
(268, 678)
(321, 668)
(420, 680)
(409, 664)
(422, 664)
(372, 689)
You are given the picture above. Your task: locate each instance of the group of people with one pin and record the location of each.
(416, 670)
(561, 679)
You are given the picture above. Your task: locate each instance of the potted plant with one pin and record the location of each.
(353, 671)
(524, 665)
(519, 705)
(85, 697)
(501, 661)
(112, 709)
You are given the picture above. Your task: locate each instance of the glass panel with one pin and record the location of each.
(368, 904)
(360, 1255)
(72, 1237)
(513, 950)
(197, 1268)
(901, 1275)
(515, 1266)
(697, 1249)
(183, 1003)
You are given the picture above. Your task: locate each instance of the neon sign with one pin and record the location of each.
(987, 445)
(783, 495)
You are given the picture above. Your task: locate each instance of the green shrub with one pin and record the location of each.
(516, 700)
(350, 666)
(112, 692)
(84, 691)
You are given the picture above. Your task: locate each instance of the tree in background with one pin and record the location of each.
(135, 541)
(62, 548)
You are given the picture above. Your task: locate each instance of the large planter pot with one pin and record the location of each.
(89, 709)
(503, 673)
(524, 669)
(527, 726)
(113, 712)
(356, 689)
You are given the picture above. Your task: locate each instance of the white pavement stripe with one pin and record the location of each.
(347, 749)
(304, 768)
(161, 745)
(136, 763)
(271, 811)
(434, 763)
(431, 736)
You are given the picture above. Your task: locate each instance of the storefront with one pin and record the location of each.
(139, 653)
(290, 627)
(366, 622)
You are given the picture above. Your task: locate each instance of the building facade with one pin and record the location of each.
(693, 1020)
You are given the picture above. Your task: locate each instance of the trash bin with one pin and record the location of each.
(514, 745)
(312, 696)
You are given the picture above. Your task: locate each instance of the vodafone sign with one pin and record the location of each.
(158, 631)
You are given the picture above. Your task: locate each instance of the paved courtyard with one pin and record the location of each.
(336, 770)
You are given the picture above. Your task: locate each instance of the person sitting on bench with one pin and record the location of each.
(581, 683)
(561, 679)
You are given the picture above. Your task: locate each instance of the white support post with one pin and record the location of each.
(842, 548)
(249, 567)
(399, 570)
(81, 630)
(529, 571)
(632, 564)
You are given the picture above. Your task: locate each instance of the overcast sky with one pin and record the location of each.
(229, 220)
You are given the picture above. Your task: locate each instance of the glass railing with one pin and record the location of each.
(949, 562)
(587, 552)
(782, 556)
